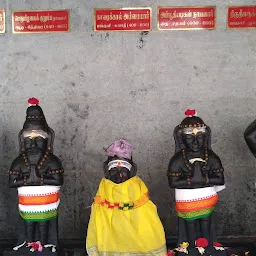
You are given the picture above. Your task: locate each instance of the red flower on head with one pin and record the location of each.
(190, 112)
(33, 101)
(202, 242)
(217, 244)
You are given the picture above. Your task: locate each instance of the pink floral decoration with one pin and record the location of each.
(120, 148)
(170, 253)
(36, 246)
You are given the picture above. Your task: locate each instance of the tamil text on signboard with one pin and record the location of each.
(124, 19)
(186, 18)
(2, 21)
(40, 21)
(241, 17)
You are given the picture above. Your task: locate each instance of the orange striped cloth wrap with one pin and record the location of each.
(196, 203)
(38, 203)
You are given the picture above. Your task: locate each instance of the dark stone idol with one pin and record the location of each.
(38, 175)
(250, 137)
(196, 173)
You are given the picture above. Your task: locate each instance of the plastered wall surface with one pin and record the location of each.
(97, 87)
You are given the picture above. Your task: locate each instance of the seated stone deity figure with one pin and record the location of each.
(196, 173)
(123, 221)
(38, 175)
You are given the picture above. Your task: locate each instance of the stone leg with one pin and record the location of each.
(30, 228)
(191, 232)
(43, 232)
(205, 227)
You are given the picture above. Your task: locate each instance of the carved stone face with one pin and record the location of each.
(194, 140)
(119, 174)
(119, 170)
(35, 140)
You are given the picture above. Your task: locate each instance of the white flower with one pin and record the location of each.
(219, 248)
(201, 250)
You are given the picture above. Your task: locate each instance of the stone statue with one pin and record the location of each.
(196, 173)
(38, 175)
(123, 221)
(250, 137)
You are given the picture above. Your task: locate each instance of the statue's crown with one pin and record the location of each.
(191, 120)
(35, 118)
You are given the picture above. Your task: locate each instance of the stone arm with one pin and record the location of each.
(250, 137)
(54, 172)
(16, 176)
(177, 178)
(216, 171)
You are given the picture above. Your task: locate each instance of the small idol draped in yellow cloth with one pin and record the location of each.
(124, 221)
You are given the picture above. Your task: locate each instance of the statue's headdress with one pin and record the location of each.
(120, 155)
(120, 148)
(35, 123)
(35, 119)
(190, 122)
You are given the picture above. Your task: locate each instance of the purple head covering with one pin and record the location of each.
(120, 148)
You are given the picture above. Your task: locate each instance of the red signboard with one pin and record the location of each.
(123, 19)
(40, 21)
(186, 17)
(2, 21)
(241, 17)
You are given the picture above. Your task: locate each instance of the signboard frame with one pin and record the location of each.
(191, 8)
(38, 11)
(239, 6)
(2, 31)
(122, 9)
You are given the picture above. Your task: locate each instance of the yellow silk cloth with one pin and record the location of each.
(116, 232)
